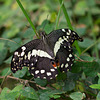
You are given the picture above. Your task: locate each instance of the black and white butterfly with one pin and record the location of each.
(44, 56)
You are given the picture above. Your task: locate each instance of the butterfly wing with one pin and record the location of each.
(43, 69)
(34, 55)
(21, 55)
(66, 59)
(64, 37)
(39, 54)
(61, 42)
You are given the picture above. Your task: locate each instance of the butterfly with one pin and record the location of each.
(46, 55)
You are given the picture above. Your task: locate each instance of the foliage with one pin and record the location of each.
(83, 81)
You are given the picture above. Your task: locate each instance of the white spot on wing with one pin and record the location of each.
(71, 64)
(68, 59)
(70, 55)
(13, 59)
(40, 53)
(23, 48)
(48, 73)
(38, 76)
(52, 70)
(64, 46)
(66, 65)
(32, 64)
(63, 30)
(16, 53)
(50, 77)
(37, 71)
(62, 65)
(22, 54)
(32, 68)
(25, 57)
(65, 38)
(32, 74)
(42, 71)
(29, 55)
(56, 75)
(44, 77)
(69, 31)
(57, 45)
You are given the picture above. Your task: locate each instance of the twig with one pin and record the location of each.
(8, 40)
(81, 59)
(90, 46)
(24, 81)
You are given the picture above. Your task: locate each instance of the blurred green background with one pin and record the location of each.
(15, 30)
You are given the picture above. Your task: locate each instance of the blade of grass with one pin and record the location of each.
(57, 21)
(94, 36)
(94, 44)
(8, 40)
(26, 15)
(66, 15)
(69, 24)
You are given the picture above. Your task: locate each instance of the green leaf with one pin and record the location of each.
(80, 7)
(69, 85)
(3, 52)
(40, 81)
(13, 46)
(11, 32)
(30, 93)
(91, 3)
(44, 96)
(95, 86)
(48, 28)
(95, 10)
(55, 96)
(98, 96)
(20, 73)
(29, 33)
(48, 93)
(10, 96)
(8, 61)
(77, 96)
(87, 58)
(3, 94)
(5, 91)
(86, 43)
(87, 67)
(6, 72)
(99, 78)
(18, 88)
(81, 30)
(2, 45)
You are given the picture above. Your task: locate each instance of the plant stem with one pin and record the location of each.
(57, 21)
(69, 24)
(26, 15)
(94, 44)
(66, 15)
(94, 36)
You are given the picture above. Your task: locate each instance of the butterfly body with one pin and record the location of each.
(44, 55)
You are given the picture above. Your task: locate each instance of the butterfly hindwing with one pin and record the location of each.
(43, 69)
(66, 59)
